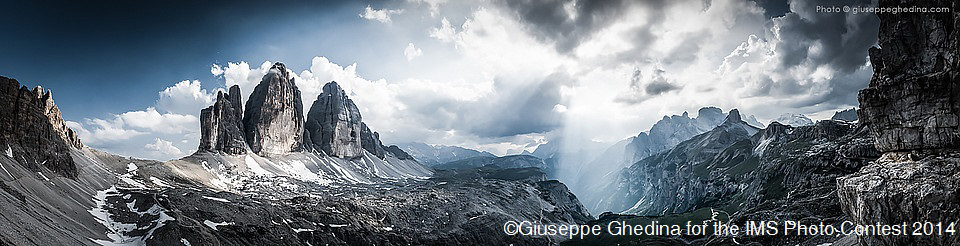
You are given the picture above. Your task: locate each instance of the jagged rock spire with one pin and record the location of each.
(336, 127)
(221, 128)
(273, 120)
(334, 123)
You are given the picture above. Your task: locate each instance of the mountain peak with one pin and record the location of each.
(733, 116)
(335, 125)
(273, 116)
(332, 89)
(279, 66)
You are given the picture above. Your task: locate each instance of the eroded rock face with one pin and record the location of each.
(273, 122)
(370, 141)
(335, 126)
(334, 123)
(221, 125)
(33, 131)
(902, 187)
(912, 107)
(913, 101)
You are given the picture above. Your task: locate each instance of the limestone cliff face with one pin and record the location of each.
(334, 123)
(913, 101)
(33, 131)
(911, 106)
(221, 126)
(335, 126)
(273, 120)
(370, 141)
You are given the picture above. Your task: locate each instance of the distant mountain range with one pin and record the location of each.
(432, 155)
(793, 120)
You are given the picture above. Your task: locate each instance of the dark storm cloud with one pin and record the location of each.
(642, 88)
(844, 38)
(811, 40)
(643, 36)
(657, 85)
(522, 111)
(549, 20)
(512, 109)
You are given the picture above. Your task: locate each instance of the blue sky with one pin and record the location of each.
(501, 76)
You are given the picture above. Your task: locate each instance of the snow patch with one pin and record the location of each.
(117, 231)
(159, 182)
(185, 242)
(44, 177)
(213, 225)
(215, 199)
(762, 146)
(9, 151)
(254, 167)
(5, 170)
(299, 230)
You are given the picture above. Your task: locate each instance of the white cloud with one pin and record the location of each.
(445, 32)
(185, 97)
(160, 132)
(103, 131)
(412, 52)
(381, 15)
(216, 70)
(153, 121)
(240, 73)
(162, 148)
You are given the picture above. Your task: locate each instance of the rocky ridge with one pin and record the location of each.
(32, 130)
(670, 131)
(848, 115)
(662, 136)
(648, 187)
